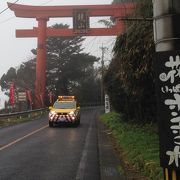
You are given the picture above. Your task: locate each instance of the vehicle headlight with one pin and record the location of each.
(52, 112)
(72, 113)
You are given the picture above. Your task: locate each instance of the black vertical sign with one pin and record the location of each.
(80, 21)
(167, 66)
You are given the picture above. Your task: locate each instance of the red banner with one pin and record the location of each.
(11, 94)
(29, 96)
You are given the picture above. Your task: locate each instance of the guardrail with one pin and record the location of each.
(22, 113)
(91, 104)
(18, 117)
(28, 113)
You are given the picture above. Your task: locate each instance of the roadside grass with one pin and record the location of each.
(20, 119)
(139, 143)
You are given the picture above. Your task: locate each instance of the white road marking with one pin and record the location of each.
(83, 161)
(20, 139)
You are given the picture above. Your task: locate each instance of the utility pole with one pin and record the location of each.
(167, 43)
(103, 49)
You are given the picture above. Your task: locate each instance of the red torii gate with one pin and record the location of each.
(78, 12)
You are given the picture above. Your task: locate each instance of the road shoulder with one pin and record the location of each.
(113, 164)
(110, 164)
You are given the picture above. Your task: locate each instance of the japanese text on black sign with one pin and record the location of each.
(168, 87)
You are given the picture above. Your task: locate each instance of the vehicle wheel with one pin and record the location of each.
(50, 124)
(77, 123)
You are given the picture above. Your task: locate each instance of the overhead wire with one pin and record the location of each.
(9, 7)
(8, 19)
(46, 2)
(92, 50)
(110, 45)
(99, 42)
(90, 44)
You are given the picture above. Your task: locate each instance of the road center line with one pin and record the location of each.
(20, 139)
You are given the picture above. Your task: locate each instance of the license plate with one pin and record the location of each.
(61, 118)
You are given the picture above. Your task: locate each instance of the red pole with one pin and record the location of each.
(12, 100)
(120, 27)
(41, 63)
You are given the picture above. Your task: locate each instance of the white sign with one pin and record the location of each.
(107, 104)
(21, 96)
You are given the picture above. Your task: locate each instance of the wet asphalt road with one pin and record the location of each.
(33, 151)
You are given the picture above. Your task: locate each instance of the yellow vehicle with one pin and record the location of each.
(64, 110)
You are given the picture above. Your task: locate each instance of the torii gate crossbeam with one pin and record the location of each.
(42, 15)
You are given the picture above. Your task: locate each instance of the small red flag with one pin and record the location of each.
(29, 96)
(11, 94)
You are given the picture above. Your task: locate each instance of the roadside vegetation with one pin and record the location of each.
(139, 144)
(130, 83)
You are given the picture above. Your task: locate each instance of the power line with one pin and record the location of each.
(8, 19)
(9, 6)
(103, 49)
(46, 2)
(135, 19)
(90, 44)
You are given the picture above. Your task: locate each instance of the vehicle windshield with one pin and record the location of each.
(64, 105)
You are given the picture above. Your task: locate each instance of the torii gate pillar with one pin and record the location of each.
(40, 83)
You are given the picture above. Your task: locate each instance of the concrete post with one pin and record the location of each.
(166, 24)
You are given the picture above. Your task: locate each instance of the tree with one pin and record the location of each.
(66, 65)
(59, 52)
(11, 77)
(129, 79)
(68, 70)
(23, 77)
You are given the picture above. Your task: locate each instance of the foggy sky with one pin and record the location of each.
(14, 51)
